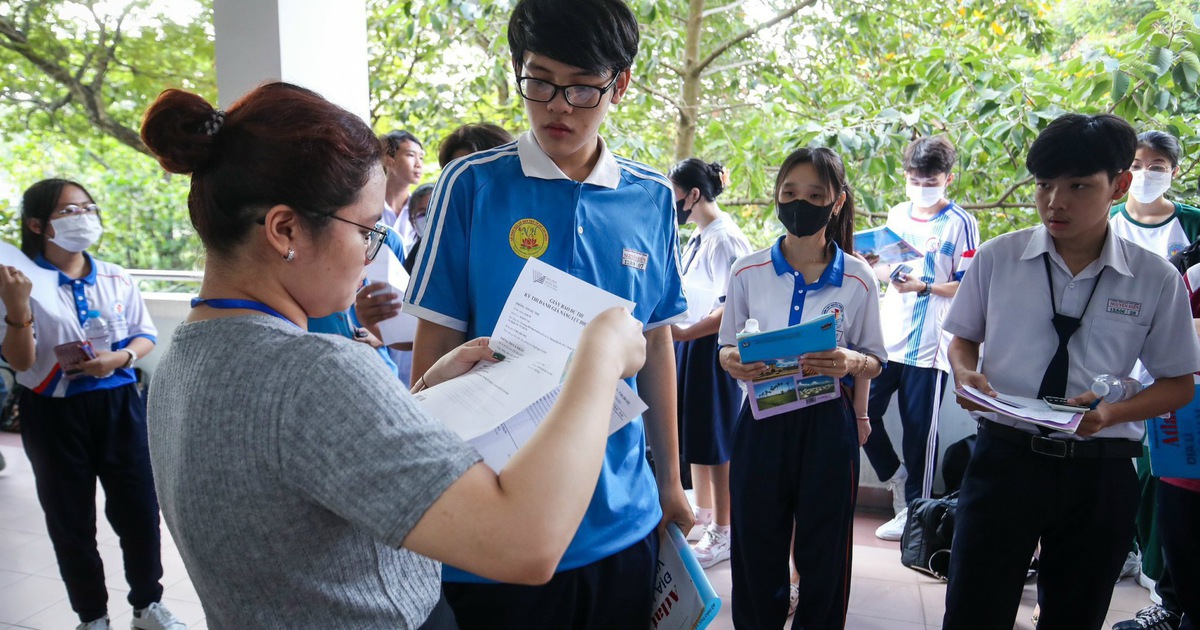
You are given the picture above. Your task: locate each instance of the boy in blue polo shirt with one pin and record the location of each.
(1053, 307)
(559, 195)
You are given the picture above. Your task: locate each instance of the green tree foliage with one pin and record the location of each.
(739, 81)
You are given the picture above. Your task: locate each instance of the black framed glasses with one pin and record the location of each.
(582, 96)
(374, 237)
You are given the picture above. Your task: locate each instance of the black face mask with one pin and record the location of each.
(803, 218)
(681, 215)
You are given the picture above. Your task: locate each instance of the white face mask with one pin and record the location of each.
(419, 225)
(1148, 186)
(923, 196)
(76, 233)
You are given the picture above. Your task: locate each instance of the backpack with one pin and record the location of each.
(925, 544)
(954, 462)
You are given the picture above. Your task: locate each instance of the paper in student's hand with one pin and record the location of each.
(45, 281)
(387, 268)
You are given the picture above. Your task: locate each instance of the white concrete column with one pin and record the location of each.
(318, 44)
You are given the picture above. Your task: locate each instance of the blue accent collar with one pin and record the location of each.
(89, 279)
(833, 273)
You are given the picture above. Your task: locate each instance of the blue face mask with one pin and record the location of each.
(803, 218)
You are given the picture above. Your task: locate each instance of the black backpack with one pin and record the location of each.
(954, 462)
(925, 545)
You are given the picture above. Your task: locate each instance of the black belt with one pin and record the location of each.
(1099, 448)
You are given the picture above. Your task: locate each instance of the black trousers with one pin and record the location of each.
(1081, 510)
(796, 469)
(1179, 523)
(920, 392)
(615, 592)
(71, 443)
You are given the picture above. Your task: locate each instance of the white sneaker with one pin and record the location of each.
(97, 624)
(697, 531)
(713, 547)
(896, 485)
(155, 617)
(893, 529)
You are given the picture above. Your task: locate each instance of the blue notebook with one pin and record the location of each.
(1175, 442)
(883, 242)
(785, 386)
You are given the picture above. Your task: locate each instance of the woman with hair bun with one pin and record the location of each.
(303, 485)
(83, 419)
(709, 398)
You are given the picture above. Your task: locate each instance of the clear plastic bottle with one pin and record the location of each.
(1115, 388)
(750, 327)
(118, 328)
(96, 331)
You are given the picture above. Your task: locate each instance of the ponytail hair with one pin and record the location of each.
(832, 172)
(710, 178)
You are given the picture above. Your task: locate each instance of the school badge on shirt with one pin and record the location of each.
(634, 258)
(528, 238)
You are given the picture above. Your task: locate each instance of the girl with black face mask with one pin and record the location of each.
(800, 468)
(709, 398)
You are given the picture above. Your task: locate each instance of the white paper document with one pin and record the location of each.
(500, 444)
(45, 281)
(537, 331)
(1029, 410)
(387, 268)
(700, 299)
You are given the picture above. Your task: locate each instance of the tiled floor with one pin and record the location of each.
(885, 595)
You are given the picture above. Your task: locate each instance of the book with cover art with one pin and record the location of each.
(1175, 441)
(684, 599)
(784, 386)
(883, 242)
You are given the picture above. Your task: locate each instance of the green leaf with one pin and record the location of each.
(1120, 85)
(1147, 22)
(1162, 59)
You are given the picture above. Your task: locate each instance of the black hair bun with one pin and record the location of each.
(720, 177)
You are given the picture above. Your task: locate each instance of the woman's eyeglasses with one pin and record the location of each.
(72, 209)
(374, 236)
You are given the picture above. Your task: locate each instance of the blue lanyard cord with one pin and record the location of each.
(249, 305)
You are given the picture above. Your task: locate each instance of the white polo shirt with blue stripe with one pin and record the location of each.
(108, 289)
(491, 211)
(764, 286)
(912, 324)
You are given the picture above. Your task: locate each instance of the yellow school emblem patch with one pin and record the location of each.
(528, 238)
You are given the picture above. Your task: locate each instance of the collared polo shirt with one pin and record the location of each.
(764, 286)
(1139, 311)
(490, 212)
(108, 289)
(710, 253)
(912, 324)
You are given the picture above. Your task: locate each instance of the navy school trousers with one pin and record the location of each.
(71, 442)
(1081, 510)
(920, 392)
(613, 592)
(798, 468)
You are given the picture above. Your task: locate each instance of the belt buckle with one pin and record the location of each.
(1052, 448)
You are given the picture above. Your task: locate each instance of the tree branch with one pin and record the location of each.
(995, 206)
(750, 32)
(645, 87)
(729, 66)
(714, 11)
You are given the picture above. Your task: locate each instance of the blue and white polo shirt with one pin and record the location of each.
(108, 289)
(490, 212)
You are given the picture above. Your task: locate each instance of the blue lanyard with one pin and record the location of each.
(249, 305)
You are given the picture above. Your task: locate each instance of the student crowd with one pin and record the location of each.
(306, 488)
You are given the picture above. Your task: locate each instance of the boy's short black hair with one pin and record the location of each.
(393, 139)
(598, 36)
(1078, 145)
(929, 156)
(1163, 144)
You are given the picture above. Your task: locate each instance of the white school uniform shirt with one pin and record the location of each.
(108, 289)
(1139, 311)
(721, 243)
(765, 287)
(912, 324)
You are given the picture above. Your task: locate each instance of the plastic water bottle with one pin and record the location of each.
(750, 327)
(96, 331)
(1115, 388)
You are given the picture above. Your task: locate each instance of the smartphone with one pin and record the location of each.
(1060, 404)
(71, 354)
(900, 273)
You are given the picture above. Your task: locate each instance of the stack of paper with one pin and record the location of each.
(1029, 410)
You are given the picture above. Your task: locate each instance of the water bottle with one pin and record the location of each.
(749, 328)
(1115, 388)
(96, 331)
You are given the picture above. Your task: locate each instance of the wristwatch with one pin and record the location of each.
(133, 357)
(926, 291)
